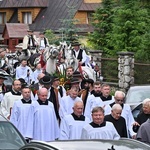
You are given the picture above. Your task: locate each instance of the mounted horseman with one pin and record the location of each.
(30, 43)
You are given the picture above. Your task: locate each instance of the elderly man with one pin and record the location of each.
(99, 129)
(71, 125)
(117, 120)
(42, 123)
(126, 111)
(143, 116)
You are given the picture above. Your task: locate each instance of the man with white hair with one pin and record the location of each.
(117, 120)
(144, 115)
(126, 111)
(72, 124)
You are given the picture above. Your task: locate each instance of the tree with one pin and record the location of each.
(52, 38)
(130, 29)
(103, 18)
(69, 29)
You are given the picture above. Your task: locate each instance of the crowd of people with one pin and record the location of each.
(43, 108)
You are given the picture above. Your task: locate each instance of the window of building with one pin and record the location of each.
(27, 17)
(90, 18)
(2, 17)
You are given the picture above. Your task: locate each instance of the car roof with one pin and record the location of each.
(2, 118)
(139, 86)
(122, 144)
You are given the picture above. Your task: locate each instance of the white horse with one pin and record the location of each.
(70, 60)
(50, 57)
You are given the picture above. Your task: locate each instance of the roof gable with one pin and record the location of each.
(15, 30)
(23, 3)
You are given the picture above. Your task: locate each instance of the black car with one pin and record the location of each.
(10, 137)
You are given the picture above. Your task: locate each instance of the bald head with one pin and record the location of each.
(116, 107)
(119, 97)
(42, 94)
(78, 108)
(116, 111)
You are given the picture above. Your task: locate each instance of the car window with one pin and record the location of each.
(9, 137)
(138, 96)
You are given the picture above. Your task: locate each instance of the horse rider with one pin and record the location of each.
(79, 53)
(29, 42)
(43, 41)
(4, 60)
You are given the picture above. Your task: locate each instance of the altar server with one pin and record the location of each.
(99, 129)
(67, 102)
(71, 125)
(20, 111)
(42, 123)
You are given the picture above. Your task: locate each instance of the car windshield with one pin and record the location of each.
(137, 96)
(9, 137)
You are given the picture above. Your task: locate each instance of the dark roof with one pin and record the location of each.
(89, 6)
(23, 3)
(16, 30)
(56, 11)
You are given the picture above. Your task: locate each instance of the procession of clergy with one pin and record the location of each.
(78, 108)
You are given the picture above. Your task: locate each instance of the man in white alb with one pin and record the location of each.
(71, 125)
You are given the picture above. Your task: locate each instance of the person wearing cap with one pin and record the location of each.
(36, 86)
(74, 83)
(29, 41)
(56, 84)
(68, 101)
(24, 71)
(43, 41)
(4, 60)
(88, 90)
(69, 74)
(79, 53)
(9, 99)
(42, 123)
(53, 94)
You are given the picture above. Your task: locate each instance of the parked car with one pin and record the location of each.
(136, 95)
(122, 144)
(10, 137)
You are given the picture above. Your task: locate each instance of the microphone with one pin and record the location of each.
(28, 72)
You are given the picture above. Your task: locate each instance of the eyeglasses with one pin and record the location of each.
(119, 100)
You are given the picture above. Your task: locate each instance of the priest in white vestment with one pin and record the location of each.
(99, 129)
(42, 123)
(9, 99)
(71, 125)
(67, 102)
(20, 111)
(126, 112)
(25, 72)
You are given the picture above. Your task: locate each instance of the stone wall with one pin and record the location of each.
(125, 67)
